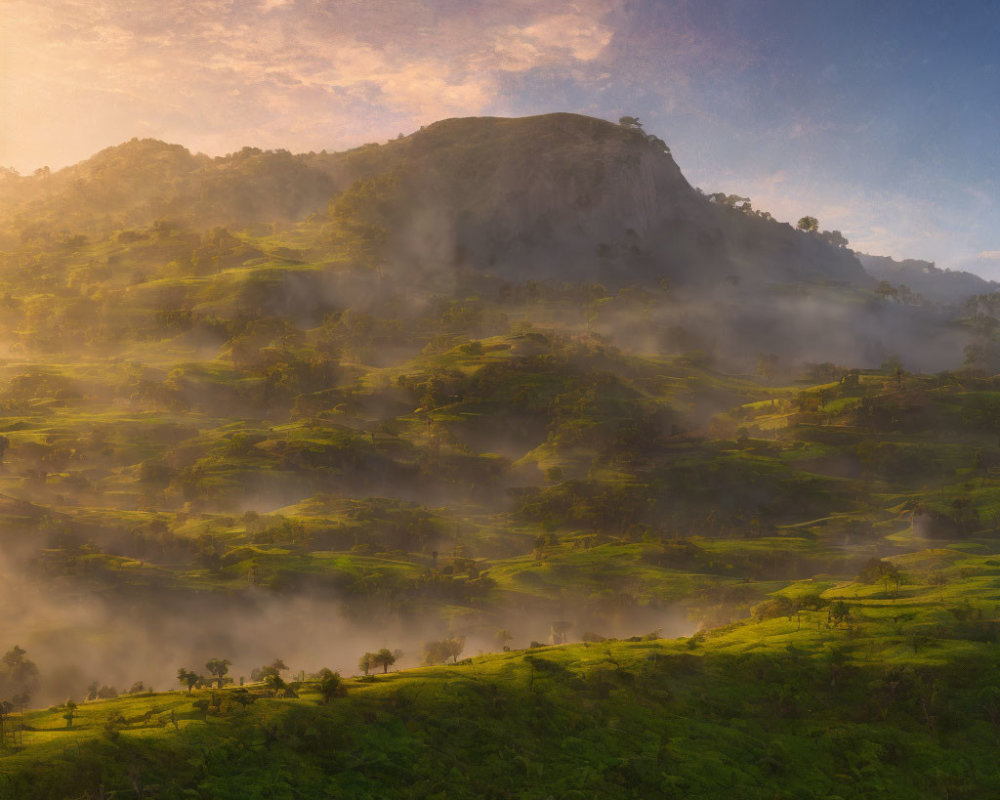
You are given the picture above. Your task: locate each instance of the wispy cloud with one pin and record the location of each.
(250, 72)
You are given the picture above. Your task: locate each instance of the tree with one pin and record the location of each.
(836, 238)
(886, 290)
(18, 675)
(384, 658)
(243, 697)
(219, 667)
(367, 663)
(266, 672)
(6, 709)
(630, 123)
(330, 685)
(884, 572)
(808, 224)
(188, 678)
(733, 201)
(438, 652)
(275, 683)
(502, 637)
(836, 659)
(202, 705)
(839, 612)
(68, 716)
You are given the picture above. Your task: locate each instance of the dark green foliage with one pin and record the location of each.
(18, 676)
(660, 725)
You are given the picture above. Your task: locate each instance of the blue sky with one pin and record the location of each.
(879, 118)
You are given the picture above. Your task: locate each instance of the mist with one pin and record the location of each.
(79, 637)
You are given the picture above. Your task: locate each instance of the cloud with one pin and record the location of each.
(551, 39)
(217, 69)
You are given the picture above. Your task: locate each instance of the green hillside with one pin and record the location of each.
(841, 689)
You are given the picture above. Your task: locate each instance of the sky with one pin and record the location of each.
(879, 118)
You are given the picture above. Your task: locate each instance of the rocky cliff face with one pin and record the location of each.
(567, 197)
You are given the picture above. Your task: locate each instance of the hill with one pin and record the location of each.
(521, 198)
(841, 685)
(468, 207)
(564, 197)
(922, 277)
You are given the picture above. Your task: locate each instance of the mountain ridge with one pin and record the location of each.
(936, 284)
(507, 193)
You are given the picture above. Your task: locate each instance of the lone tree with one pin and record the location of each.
(219, 667)
(630, 123)
(384, 658)
(202, 705)
(330, 685)
(808, 224)
(243, 697)
(188, 678)
(275, 683)
(367, 663)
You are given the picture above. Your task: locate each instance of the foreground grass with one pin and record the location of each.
(899, 699)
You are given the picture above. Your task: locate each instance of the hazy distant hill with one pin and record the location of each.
(937, 285)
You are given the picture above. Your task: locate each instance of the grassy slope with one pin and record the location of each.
(781, 708)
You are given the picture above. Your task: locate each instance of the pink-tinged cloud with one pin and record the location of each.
(280, 73)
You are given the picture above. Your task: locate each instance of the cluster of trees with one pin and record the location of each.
(18, 677)
(329, 683)
(384, 658)
(441, 650)
(811, 225)
(218, 669)
(884, 572)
